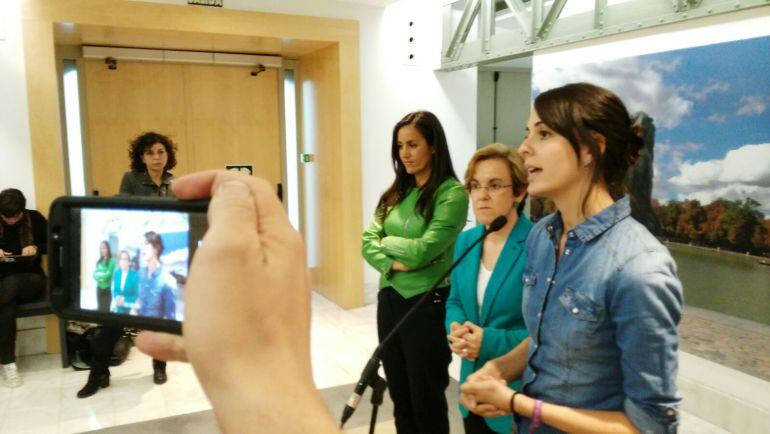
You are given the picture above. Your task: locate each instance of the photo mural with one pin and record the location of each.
(702, 184)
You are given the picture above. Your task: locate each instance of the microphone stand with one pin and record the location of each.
(369, 376)
(378, 393)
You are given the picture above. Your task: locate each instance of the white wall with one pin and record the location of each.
(389, 90)
(15, 151)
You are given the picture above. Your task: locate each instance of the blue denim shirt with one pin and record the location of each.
(157, 294)
(603, 319)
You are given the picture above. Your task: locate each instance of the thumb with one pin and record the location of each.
(232, 209)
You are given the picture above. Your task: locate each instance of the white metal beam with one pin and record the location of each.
(534, 29)
(461, 33)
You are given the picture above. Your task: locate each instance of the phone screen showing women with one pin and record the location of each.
(136, 262)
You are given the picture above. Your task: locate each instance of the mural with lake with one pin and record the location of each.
(702, 184)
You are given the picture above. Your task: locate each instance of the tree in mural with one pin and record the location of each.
(736, 225)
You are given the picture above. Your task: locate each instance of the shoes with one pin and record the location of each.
(94, 383)
(159, 372)
(11, 375)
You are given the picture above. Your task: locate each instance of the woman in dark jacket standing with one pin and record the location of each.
(410, 243)
(152, 156)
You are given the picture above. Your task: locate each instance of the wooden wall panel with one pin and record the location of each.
(339, 223)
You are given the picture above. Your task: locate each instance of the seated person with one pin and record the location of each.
(23, 233)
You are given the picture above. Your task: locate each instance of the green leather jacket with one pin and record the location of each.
(103, 273)
(426, 247)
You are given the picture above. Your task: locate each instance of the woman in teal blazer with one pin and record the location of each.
(124, 292)
(483, 313)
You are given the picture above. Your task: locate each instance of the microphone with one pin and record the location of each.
(369, 374)
(496, 224)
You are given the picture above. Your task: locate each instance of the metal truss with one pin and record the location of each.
(512, 28)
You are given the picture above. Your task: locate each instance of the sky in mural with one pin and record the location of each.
(711, 108)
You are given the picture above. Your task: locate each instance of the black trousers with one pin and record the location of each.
(103, 299)
(15, 288)
(416, 361)
(475, 424)
(102, 348)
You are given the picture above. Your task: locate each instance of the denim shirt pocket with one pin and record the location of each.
(580, 306)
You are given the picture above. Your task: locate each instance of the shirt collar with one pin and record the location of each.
(165, 179)
(594, 226)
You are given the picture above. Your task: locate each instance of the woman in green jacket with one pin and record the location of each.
(105, 266)
(410, 242)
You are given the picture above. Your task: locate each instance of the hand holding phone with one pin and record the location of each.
(248, 303)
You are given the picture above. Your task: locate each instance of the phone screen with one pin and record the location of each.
(136, 261)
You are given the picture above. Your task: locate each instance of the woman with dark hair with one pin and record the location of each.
(105, 266)
(483, 312)
(152, 155)
(410, 243)
(601, 296)
(23, 233)
(156, 286)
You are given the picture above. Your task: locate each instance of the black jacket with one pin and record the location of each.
(10, 241)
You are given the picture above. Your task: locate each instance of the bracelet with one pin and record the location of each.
(536, 416)
(513, 399)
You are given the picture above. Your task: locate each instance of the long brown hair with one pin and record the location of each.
(109, 253)
(440, 166)
(154, 239)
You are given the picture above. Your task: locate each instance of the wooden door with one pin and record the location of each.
(233, 119)
(122, 103)
(217, 115)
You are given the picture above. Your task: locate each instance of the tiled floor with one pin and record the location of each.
(733, 342)
(342, 342)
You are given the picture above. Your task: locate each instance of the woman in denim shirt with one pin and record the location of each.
(601, 297)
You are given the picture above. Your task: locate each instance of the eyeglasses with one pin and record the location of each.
(493, 188)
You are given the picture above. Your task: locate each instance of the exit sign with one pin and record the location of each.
(215, 3)
(245, 168)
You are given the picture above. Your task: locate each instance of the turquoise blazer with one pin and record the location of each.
(501, 316)
(130, 290)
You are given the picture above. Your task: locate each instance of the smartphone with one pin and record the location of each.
(123, 261)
